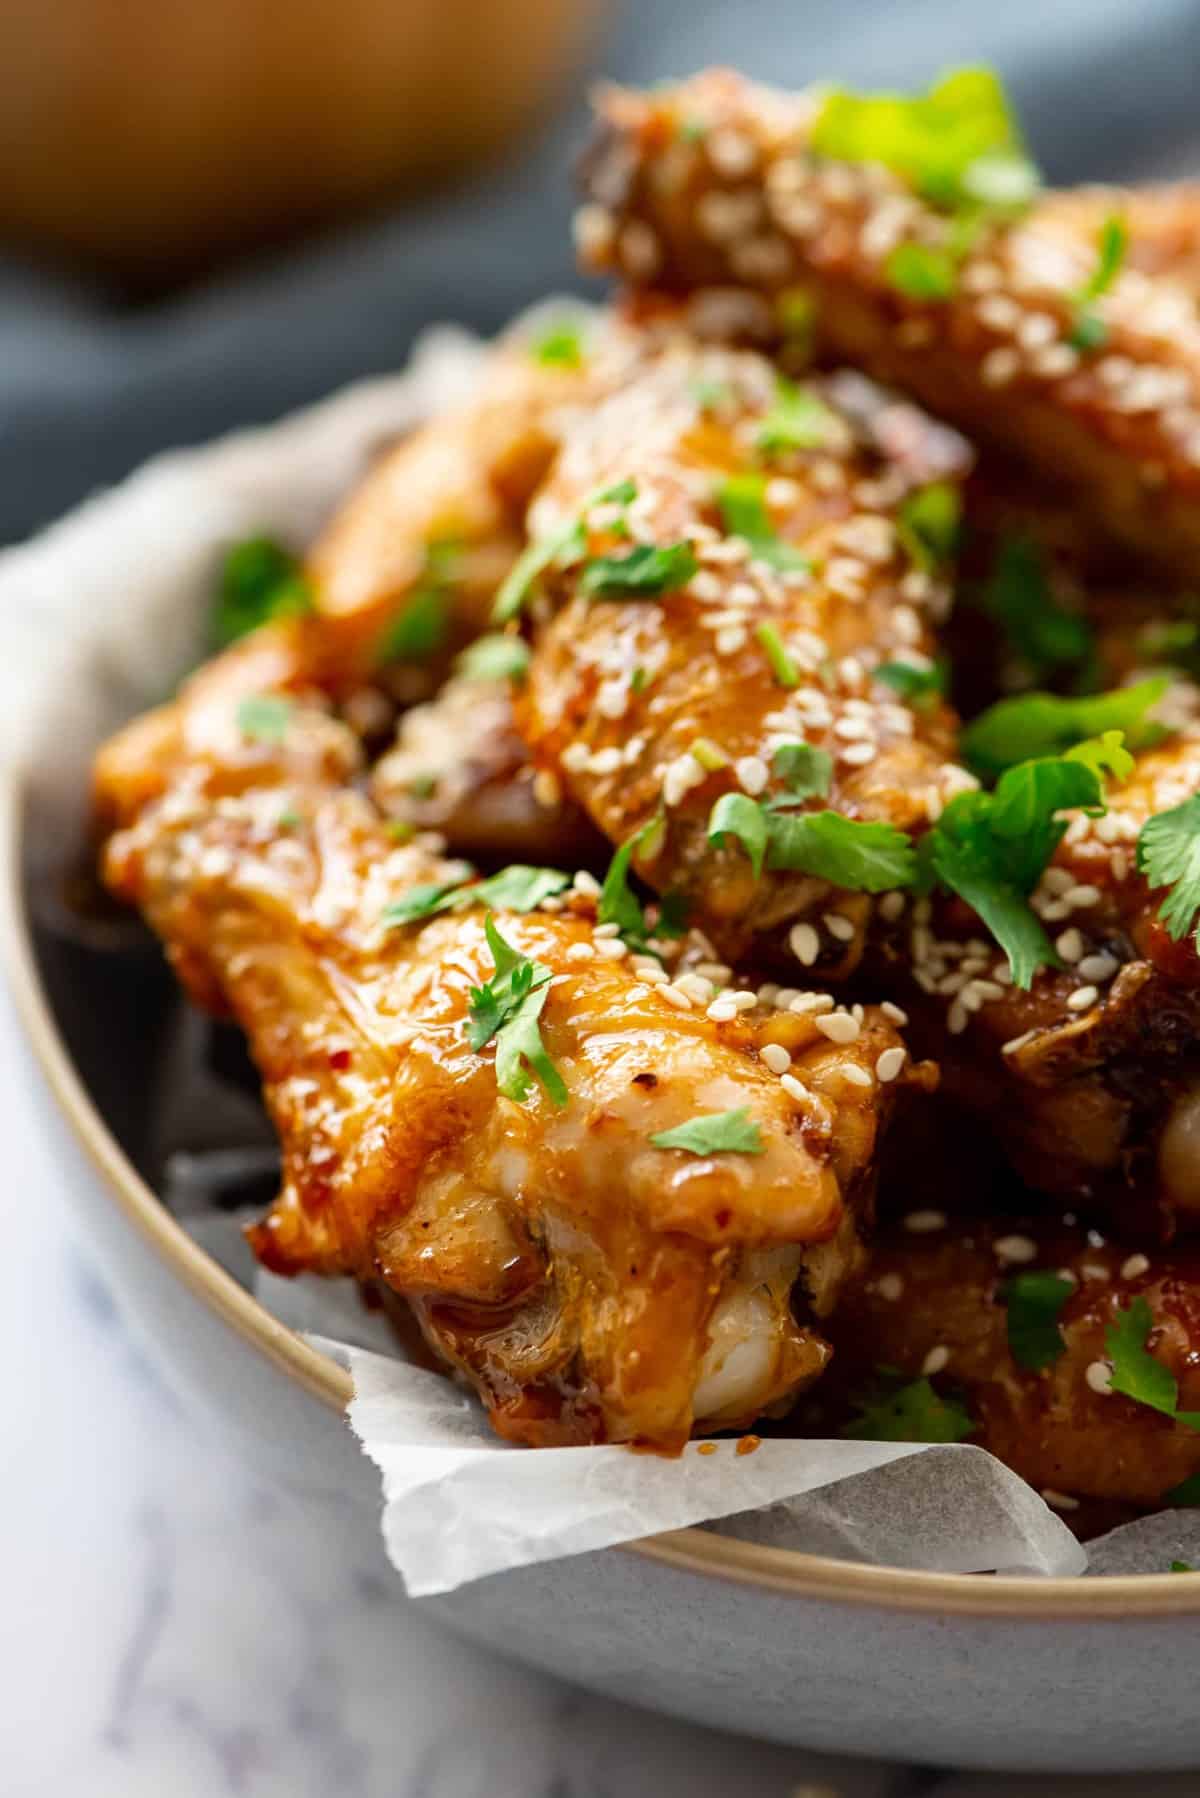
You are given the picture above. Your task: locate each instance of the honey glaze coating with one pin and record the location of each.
(936, 1302)
(591, 1284)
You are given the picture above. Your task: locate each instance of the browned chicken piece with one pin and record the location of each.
(714, 183)
(592, 1282)
(459, 767)
(1091, 1078)
(408, 568)
(939, 1302)
(743, 595)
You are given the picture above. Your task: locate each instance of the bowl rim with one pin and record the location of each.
(783, 1572)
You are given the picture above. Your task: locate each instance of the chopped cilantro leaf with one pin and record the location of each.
(923, 271)
(742, 503)
(1135, 1372)
(956, 145)
(618, 904)
(515, 888)
(782, 665)
(1182, 1567)
(1041, 633)
(928, 524)
(737, 815)
(638, 681)
(1089, 332)
(1034, 1303)
(1037, 724)
(720, 1133)
(918, 687)
(1168, 854)
(508, 1008)
(798, 420)
(557, 549)
(909, 1413)
(264, 717)
(848, 852)
(560, 345)
(260, 581)
(493, 658)
(645, 571)
(806, 772)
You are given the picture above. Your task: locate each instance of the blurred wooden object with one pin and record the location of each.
(147, 137)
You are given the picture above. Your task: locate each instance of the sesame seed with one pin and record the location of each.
(1014, 1249)
(838, 926)
(890, 1286)
(1098, 967)
(924, 1223)
(1133, 1266)
(695, 986)
(889, 1064)
(1018, 1042)
(999, 366)
(891, 906)
(605, 761)
(857, 1076)
(1060, 1501)
(752, 774)
(607, 930)
(859, 754)
(1036, 331)
(722, 1011)
(1084, 894)
(1095, 1270)
(611, 948)
(575, 757)
(893, 1013)
(957, 1018)
(730, 639)
(795, 1089)
(839, 1027)
(580, 952)
(809, 1004)
(674, 997)
(586, 883)
(744, 999)
(936, 1359)
(1070, 944)
(804, 944)
(776, 1057)
(1099, 1376)
(1082, 998)
(547, 791)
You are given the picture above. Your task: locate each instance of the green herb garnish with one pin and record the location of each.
(782, 665)
(516, 888)
(560, 345)
(920, 688)
(720, 1133)
(909, 1413)
(1038, 724)
(1168, 854)
(264, 717)
(641, 573)
(494, 658)
(807, 773)
(923, 271)
(558, 549)
(1035, 1301)
(798, 420)
(422, 626)
(1041, 633)
(508, 1008)
(738, 816)
(1135, 1372)
(741, 501)
(928, 524)
(1182, 1567)
(1090, 331)
(260, 581)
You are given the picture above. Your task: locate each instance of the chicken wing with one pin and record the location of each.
(716, 183)
(606, 1209)
(939, 1303)
(754, 586)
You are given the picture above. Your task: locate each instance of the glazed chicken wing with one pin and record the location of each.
(752, 586)
(481, 1119)
(718, 184)
(938, 1302)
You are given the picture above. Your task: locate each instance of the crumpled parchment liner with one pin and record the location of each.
(105, 609)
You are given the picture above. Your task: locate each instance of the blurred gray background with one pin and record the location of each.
(91, 383)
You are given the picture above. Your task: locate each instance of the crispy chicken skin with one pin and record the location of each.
(1092, 1078)
(710, 185)
(654, 707)
(591, 1285)
(945, 1291)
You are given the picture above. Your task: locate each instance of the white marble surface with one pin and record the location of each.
(170, 1629)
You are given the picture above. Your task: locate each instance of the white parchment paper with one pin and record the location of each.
(107, 607)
